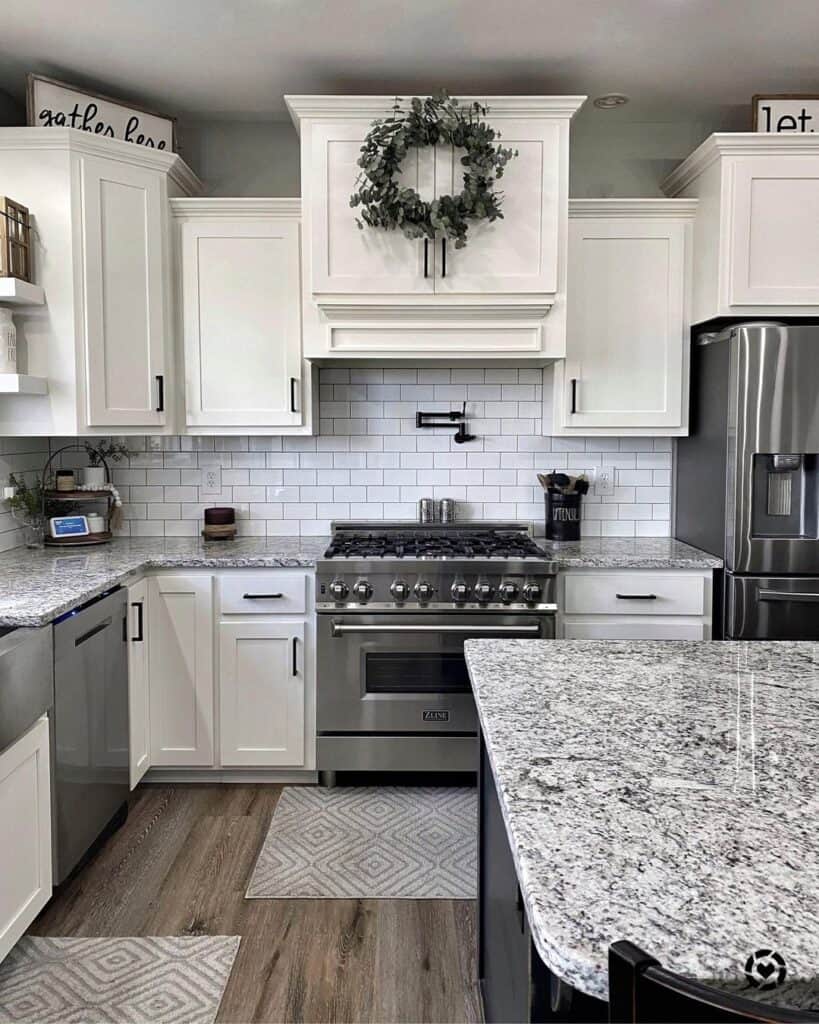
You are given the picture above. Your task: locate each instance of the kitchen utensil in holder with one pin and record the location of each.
(563, 515)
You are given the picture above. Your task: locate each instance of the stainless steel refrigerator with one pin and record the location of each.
(746, 477)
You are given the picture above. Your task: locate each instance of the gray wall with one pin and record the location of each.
(612, 154)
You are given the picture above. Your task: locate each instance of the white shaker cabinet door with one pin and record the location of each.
(627, 328)
(774, 244)
(345, 258)
(518, 253)
(180, 654)
(242, 329)
(25, 824)
(139, 724)
(262, 693)
(124, 248)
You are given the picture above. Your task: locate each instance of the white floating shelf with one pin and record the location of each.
(22, 384)
(20, 293)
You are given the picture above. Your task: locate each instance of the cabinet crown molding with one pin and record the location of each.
(722, 144)
(660, 208)
(73, 140)
(236, 207)
(346, 107)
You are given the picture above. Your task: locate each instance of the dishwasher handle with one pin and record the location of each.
(338, 629)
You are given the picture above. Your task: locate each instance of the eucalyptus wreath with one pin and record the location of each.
(437, 119)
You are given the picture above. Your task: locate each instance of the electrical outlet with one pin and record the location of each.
(211, 480)
(154, 443)
(604, 481)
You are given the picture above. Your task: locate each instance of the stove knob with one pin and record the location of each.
(400, 590)
(459, 592)
(484, 591)
(424, 591)
(508, 591)
(532, 592)
(338, 590)
(362, 590)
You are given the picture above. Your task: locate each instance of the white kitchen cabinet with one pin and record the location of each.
(180, 657)
(241, 314)
(628, 319)
(262, 693)
(375, 294)
(103, 341)
(125, 280)
(25, 823)
(757, 193)
(635, 604)
(139, 707)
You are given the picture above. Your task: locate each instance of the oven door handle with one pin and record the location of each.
(475, 631)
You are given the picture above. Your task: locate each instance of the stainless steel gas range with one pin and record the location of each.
(395, 603)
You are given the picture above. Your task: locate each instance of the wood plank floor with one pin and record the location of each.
(180, 866)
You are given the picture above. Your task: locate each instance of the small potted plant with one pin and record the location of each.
(100, 452)
(26, 506)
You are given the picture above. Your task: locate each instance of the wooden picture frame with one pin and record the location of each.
(778, 97)
(124, 110)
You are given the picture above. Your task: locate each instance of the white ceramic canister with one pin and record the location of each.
(96, 522)
(8, 342)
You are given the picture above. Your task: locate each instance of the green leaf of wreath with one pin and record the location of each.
(385, 204)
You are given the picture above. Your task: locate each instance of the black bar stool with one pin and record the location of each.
(641, 990)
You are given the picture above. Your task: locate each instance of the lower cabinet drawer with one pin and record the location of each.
(634, 593)
(635, 629)
(253, 593)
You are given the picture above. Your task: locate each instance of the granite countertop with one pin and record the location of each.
(666, 793)
(628, 553)
(37, 586)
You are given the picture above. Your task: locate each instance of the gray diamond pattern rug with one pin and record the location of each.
(127, 981)
(367, 842)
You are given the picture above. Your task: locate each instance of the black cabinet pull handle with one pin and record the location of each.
(295, 656)
(160, 392)
(426, 257)
(443, 256)
(293, 383)
(574, 395)
(140, 634)
(261, 597)
(636, 597)
(519, 909)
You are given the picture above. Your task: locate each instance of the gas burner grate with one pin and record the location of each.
(474, 544)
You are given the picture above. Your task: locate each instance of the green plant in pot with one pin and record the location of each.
(99, 453)
(26, 506)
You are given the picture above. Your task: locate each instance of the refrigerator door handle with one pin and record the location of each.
(789, 596)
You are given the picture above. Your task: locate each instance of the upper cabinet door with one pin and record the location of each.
(346, 259)
(774, 245)
(124, 244)
(627, 329)
(241, 308)
(520, 252)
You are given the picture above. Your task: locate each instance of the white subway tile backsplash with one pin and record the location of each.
(369, 461)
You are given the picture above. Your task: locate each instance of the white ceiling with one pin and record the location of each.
(235, 58)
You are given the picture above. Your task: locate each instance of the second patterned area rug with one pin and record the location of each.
(121, 981)
(370, 843)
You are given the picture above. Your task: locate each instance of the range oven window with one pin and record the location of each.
(425, 672)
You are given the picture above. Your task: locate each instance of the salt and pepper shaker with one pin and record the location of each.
(448, 510)
(426, 511)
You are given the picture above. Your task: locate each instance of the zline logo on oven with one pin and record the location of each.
(435, 716)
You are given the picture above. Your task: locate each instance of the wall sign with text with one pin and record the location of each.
(53, 104)
(786, 114)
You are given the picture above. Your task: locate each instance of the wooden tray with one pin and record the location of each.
(78, 542)
(55, 495)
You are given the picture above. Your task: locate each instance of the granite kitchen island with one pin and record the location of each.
(660, 792)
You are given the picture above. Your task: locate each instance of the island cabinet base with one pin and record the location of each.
(515, 983)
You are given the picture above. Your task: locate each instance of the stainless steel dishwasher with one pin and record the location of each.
(90, 734)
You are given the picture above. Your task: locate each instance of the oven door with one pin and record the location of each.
(406, 673)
